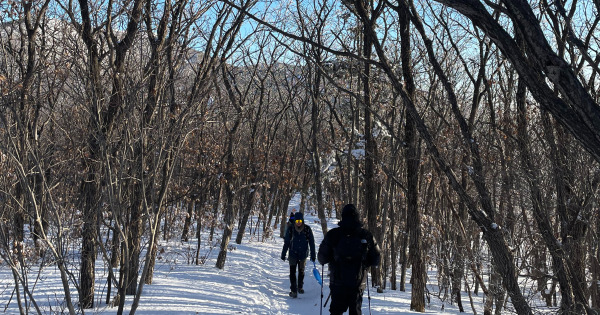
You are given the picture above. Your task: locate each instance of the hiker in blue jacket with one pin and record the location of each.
(298, 240)
(349, 250)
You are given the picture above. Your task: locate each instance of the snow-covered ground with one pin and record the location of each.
(254, 281)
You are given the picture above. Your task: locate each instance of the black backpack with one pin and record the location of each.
(349, 255)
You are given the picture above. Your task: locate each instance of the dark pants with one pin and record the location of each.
(301, 264)
(346, 298)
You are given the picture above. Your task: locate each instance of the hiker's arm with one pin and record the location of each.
(311, 243)
(286, 243)
(324, 251)
(373, 254)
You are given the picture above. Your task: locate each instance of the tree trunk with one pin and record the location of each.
(133, 243)
(595, 267)
(215, 212)
(88, 243)
(114, 260)
(188, 220)
(412, 156)
(569, 205)
(228, 218)
(315, 156)
(283, 208)
(101, 122)
(403, 254)
(573, 298)
(370, 184)
(39, 229)
(392, 238)
(306, 177)
(413, 220)
(199, 216)
(246, 214)
(458, 264)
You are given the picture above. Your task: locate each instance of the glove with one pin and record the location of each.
(283, 257)
(312, 258)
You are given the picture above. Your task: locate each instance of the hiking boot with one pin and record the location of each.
(300, 290)
(294, 294)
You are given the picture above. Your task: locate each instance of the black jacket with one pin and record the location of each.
(326, 252)
(299, 242)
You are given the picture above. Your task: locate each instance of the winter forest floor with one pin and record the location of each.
(254, 281)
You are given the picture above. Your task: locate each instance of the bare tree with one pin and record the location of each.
(575, 109)
(412, 159)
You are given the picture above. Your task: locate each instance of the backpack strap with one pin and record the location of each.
(306, 231)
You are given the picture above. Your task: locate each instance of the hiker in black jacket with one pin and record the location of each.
(349, 250)
(298, 239)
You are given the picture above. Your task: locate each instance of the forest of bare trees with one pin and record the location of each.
(467, 131)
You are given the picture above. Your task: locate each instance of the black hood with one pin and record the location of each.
(350, 218)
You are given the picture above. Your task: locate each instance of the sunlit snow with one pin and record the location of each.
(254, 281)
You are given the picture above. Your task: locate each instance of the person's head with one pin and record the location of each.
(350, 217)
(299, 219)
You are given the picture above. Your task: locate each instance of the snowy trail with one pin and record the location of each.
(254, 281)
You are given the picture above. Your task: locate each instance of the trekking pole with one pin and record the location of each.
(322, 272)
(368, 293)
(327, 299)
